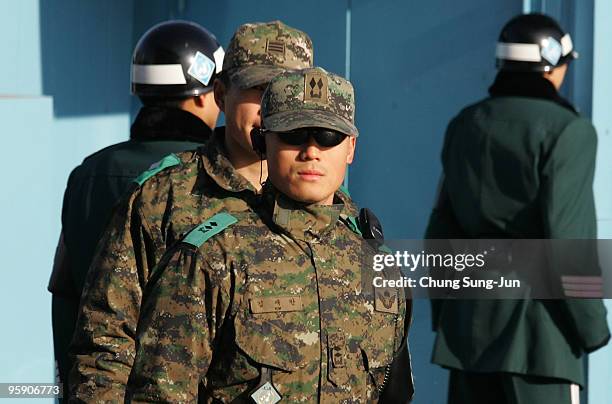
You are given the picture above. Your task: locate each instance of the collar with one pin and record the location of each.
(219, 168)
(350, 209)
(306, 222)
(162, 123)
(531, 85)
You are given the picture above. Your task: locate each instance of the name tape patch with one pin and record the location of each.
(276, 304)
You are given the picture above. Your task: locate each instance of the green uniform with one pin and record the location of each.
(93, 189)
(288, 289)
(519, 166)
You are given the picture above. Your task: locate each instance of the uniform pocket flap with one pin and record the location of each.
(278, 333)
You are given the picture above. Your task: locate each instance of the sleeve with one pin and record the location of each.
(62, 282)
(443, 223)
(62, 285)
(183, 310)
(442, 227)
(568, 209)
(103, 343)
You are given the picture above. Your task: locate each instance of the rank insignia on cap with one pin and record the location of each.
(315, 87)
(266, 394)
(275, 47)
(202, 68)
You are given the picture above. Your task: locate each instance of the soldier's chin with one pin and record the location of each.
(308, 196)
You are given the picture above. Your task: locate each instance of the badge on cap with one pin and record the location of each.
(551, 50)
(315, 87)
(266, 394)
(202, 68)
(275, 47)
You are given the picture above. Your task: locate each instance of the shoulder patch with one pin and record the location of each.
(209, 228)
(168, 161)
(351, 222)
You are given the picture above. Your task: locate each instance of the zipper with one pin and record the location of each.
(381, 388)
(388, 367)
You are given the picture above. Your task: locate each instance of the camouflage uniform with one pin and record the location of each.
(276, 301)
(170, 199)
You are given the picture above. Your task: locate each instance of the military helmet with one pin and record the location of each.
(176, 59)
(533, 43)
(309, 97)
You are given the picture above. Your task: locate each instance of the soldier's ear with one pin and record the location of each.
(200, 100)
(220, 91)
(352, 142)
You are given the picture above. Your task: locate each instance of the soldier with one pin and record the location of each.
(171, 198)
(273, 305)
(520, 164)
(178, 114)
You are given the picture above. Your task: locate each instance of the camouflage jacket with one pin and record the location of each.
(185, 190)
(287, 291)
(150, 218)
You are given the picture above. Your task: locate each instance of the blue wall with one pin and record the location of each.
(64, 93)
(600, 363)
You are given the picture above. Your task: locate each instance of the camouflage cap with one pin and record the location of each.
(309, 98)
(260, 51)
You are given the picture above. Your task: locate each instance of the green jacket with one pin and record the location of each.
(93, 189)
(285, 290)
(518, 167)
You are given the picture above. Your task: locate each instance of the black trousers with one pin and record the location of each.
(509, 388)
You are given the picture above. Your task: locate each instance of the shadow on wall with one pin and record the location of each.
(412, 74)
(86, 50)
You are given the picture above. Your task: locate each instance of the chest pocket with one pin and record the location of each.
(277, 323)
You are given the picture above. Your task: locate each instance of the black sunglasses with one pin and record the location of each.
(323, 137)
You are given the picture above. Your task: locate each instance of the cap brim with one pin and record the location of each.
(308, 118)
(251, 76)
